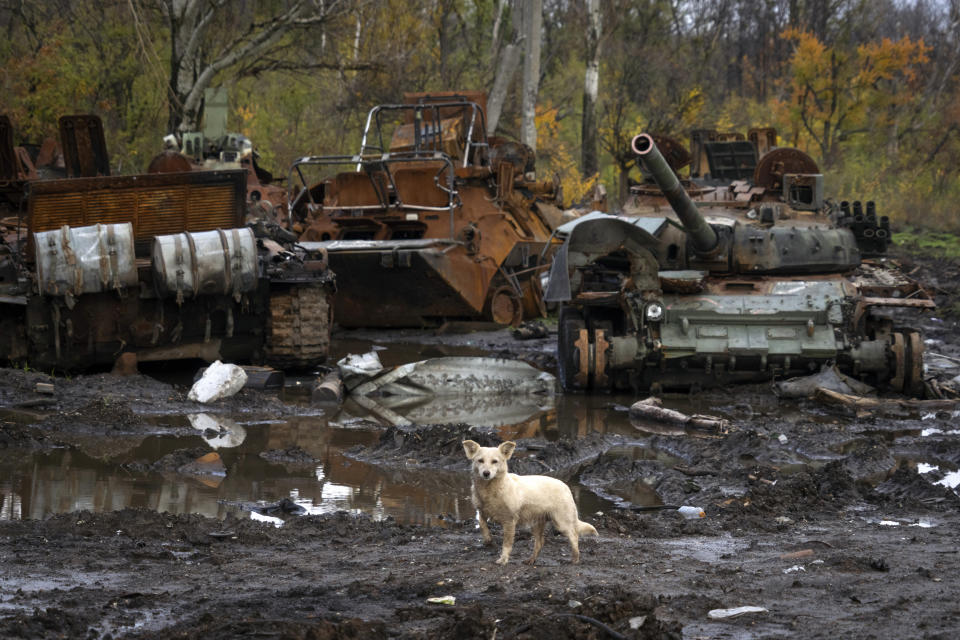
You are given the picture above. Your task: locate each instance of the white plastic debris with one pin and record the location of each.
(795, 569)
(691, 513)
(719, 614)
(361, 364)
(637, 621)
(442, 600)
(218, 381)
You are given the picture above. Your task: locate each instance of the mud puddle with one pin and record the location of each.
(228, 466)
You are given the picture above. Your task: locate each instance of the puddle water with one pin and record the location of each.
(115, 475)
(950, 479)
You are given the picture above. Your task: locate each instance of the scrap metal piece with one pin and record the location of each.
(463, 375)
(457, 389)
(84, 146)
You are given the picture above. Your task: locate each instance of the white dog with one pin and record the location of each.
(525, 500)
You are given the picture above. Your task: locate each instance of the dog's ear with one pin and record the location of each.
(470, 448)
(506, 448)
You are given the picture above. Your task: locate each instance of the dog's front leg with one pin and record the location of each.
(509, 530)
(484, 529)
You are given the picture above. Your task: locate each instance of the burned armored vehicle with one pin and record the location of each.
(729, 280)
(430, 221)
(162, 265)
(215, 147)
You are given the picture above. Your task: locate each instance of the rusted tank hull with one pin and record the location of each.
(102, 326)
(161, 266)
(784, 328)
(434, 222)
(47, 334)
(418, 283)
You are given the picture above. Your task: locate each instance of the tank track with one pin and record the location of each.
(298, 328)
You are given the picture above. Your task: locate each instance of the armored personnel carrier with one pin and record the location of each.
(430, 221)
(727, 279)
(163, 265)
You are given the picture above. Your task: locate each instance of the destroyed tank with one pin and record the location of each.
(165, 266)
(725, 279)
(214, 147)
(431, 221)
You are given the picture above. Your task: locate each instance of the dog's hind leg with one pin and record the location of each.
(537, 526)
(571, 532)
(509, 530)
(574, 539)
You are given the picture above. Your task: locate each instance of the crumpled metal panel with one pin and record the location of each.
(461, 375)
(458, 389)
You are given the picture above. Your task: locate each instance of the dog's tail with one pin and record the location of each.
(586, 529)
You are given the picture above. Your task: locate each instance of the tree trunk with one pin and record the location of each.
(624, 186)
(495, 38)
(509, 58)
(192, 70)
(532, 26)
(589, 160)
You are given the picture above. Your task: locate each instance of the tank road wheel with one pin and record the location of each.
(913, 383)
(298, 326)
(907, 349)
(572, 349)
(504, 306)
(898, 350)
(600, 332)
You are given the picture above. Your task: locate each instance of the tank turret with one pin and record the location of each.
(772, 235)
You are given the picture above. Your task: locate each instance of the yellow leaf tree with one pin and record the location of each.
(836, 93)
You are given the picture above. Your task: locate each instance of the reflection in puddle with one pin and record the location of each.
(922, 524)
(118, 477)
(939, 432)
(951, 479)
(218, 431)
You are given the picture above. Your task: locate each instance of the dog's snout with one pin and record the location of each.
(486, 474)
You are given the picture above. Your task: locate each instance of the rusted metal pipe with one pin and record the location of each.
(703, 237)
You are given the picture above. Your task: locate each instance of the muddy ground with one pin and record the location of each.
(825, 519)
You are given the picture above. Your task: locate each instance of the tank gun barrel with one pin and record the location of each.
(703, 237)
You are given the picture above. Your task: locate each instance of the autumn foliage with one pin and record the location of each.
(869, 89)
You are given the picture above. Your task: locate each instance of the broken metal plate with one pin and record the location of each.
(461, 376)
(484, 410)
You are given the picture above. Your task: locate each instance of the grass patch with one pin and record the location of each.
(931, 243)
